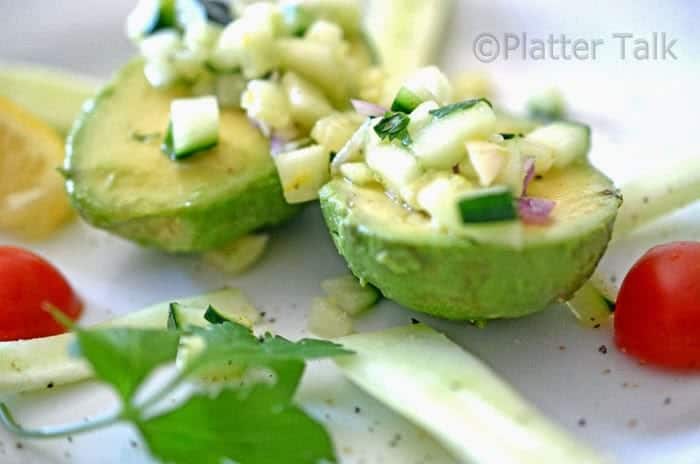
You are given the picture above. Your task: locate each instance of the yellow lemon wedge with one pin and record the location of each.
(33, 202)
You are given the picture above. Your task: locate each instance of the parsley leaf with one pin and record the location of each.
(394, 126)
(229, 343)
(456, 107)
(125, 357)
(258, 426)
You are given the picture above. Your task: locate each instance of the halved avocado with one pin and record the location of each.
(119, 179)
(455, 277)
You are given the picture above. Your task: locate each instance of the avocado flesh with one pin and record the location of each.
(119, 179)
(450, 275)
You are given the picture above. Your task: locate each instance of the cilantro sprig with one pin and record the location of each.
(394, 126)
(250, 420)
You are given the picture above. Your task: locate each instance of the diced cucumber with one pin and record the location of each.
(325, 32)
(440, 145)
(319, 65)
(307, 103)
(512, 174)
(358, 173)
(542, 154)
(303, 172)
(590, 307)
(229, 89)
(160, 45)
(549, 105)
(439, 199)
(194, 126)
(570, 141)
(266, 101)
(249, 42)
(346, 13)
(150, 16)
(429, 84)
(327, 320)
(421, 117)
(161, 73)
(181, 316)
(396, 166)
(487, 205)
(406, 101)
(334, 130)
(33, 364)
(487, 160)
(348, 294)
(455, 397)
(239, 255)
(202, 35)
(353, 148)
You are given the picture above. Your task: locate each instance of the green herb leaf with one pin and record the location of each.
(457, 107)
(213, 316)
(394, 126)
(229, 343)
(125, 357)
(509, 136)
(256, 426)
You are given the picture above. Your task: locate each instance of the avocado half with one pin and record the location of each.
(456, 277)
(119, 179)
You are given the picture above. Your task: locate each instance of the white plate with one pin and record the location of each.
(643, 114)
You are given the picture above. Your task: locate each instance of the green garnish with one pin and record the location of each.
(510, 136)
(405, 101)
(394, 126)
(488, 205)
(168, 146)
(456, 107)
(252, 419)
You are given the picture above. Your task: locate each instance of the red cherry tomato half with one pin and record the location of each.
(29, 284)
(657, 317)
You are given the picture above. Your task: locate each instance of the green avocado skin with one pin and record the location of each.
(463, 280)
(228, 212)
(191, 230)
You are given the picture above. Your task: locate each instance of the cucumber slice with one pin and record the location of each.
(150, 16)
(349, 294)
(51, 95)
(303, 172)
(487, 160)
(590, 307)
(481, 271)
(120, 180)
(193, 127)
(406, 33)
(33, 364)
(455, 397)
(440, 145)
(396, 166)
(488, 205)
(570, 141)
(406, 101)
(357, 173)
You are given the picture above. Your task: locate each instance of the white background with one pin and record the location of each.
(644, 115)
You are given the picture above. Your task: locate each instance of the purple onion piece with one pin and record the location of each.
(366, 108)
(277, 144)
(535, 210)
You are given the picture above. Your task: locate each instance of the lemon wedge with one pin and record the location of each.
(33, 202)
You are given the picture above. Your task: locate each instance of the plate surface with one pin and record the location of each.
(644, 114)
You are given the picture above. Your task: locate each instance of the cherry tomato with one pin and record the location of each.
(657, 317)
(28, 284)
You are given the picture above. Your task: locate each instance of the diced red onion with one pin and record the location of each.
(366, 108)
(529, 167)
(535, 210)
(277, 144)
